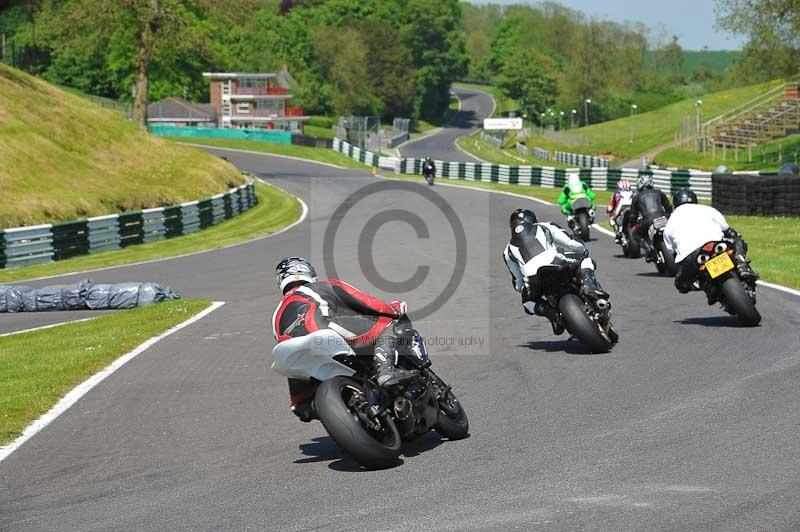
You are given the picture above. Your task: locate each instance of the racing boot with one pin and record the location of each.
(543, 309)
(744, 270)
(388, 374)
(301, 398)
(590, 288)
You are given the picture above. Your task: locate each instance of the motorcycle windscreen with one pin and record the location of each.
(311, 356)
(581, 203)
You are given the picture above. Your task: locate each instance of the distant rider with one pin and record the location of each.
(649, 203)
(622, 197)
(365, 322)
(428, 168)
(689, 228)
(575, 189)
(534, 245)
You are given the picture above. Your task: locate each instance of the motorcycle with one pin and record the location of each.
(587, 320)
(624, 234)
(367, 421)
(657, 250)
(429, 171)
(718, 278)
(580, 217)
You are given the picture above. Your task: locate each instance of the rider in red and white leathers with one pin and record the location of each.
(622, 197)
(365, 322)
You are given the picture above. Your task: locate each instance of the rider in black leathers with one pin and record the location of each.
(650, 203)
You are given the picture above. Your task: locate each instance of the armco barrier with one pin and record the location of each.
(22, 246)
(587, 161)
(599, 178)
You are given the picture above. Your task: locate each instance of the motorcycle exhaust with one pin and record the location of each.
(602, 304)
(402, 408)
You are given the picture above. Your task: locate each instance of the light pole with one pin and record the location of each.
(560, 116)
(541, 122)
(572, 118)
(698, 104)
(586, 103)
(633, 112)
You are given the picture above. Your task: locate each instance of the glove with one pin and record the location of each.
(399, 306)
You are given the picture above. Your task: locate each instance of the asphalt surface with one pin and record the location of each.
(690, 423)
(475, 106)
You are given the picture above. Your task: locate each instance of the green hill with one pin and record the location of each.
(631, 137)
(63, 157)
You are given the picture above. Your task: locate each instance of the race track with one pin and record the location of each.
(691, 423)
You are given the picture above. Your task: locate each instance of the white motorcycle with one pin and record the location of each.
(367, 421)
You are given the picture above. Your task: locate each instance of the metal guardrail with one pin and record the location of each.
(22, 246)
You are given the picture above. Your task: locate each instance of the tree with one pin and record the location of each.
(773, 29)
(530, 78)
(671, 57)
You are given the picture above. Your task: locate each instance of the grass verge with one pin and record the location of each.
(275, 210)
(321, 155)
(39, 367)
(774, 251)
(481, 149)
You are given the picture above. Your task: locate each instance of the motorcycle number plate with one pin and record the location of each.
(660, 222)
(719, 265)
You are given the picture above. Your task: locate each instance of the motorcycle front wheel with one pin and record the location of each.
(373, 442)
(452, 422)
(581, 326)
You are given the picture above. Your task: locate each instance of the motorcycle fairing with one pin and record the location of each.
(311, 356)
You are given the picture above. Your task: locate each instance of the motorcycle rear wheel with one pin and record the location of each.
(581, 326)
(371, 449)
(452, 421)
(737, 300)
(633, 250)
(668, 267)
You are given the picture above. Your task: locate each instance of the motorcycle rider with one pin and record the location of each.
(534, 245)
(690, 227)
(365, 322)
(428, 168)
(574, 189)
(649, 203)
(622, 197)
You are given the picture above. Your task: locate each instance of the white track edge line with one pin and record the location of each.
(83, 388)
(455, 185)
(300, 220)
(43, 327)
(237, 150)
(779, 287)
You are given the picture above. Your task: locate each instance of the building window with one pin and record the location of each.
(253, 83)
(243, 107)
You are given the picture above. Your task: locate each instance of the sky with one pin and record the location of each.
(691, 20)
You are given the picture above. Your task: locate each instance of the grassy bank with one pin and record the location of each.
(64, 157)
(646, 130)
(274, 211)
(38, 368)
(322, 155)
(768, 157)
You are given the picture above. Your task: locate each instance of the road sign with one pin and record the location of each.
(502, 123)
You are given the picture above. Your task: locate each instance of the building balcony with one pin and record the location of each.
(290, 112)
(261, 91)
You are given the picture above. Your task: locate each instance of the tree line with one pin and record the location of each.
(387, 57)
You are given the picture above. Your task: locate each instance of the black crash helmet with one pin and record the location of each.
(294, 270)
(683, 195)
(521, 216)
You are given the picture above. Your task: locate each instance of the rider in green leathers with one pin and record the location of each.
(575, 189)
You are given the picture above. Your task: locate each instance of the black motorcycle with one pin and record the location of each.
(366, 420)
(719, 279)
(587, 320)
(624, 234)
(581, 216)
(429, 171)
(657, 250)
